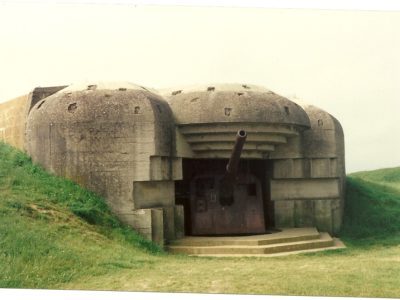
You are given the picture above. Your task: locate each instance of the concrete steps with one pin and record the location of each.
(287, 241)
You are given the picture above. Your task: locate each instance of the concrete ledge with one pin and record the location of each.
(299, 189)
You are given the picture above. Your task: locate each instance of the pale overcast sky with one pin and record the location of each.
(346, 62)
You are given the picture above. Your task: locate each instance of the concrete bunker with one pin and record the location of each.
(208, 120)
(159, 158)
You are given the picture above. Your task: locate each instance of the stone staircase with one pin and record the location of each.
(284, 242)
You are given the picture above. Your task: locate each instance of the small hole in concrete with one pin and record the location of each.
(176, 92)
(211, 89)
(287, 110)
(240, 94)
(122, 89)
(245, 86)
(228, 111)
(137, 109)
(320, 123)
(92, 87)
(40, 105)
(72, 107)
(107, 95)
(194, 99)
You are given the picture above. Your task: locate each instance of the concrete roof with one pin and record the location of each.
(221, 87)
(105, 85)
(223, 103)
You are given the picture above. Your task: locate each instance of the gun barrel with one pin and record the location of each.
(232, 166)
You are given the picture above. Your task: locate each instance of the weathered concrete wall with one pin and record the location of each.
(12, 121)
(298, 189)
(13, 115)
(308, 180)
(149, 223)
(115, 139)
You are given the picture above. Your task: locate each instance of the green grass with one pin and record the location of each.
(382, 176)
(54, 234)
(372, 211)
(52, 231)
(389, 177)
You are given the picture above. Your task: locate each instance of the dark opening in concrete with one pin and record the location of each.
(215, 205)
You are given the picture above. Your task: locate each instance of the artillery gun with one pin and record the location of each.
(229, 201)
(227, 183)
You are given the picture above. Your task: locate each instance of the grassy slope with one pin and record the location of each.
(372, 213)
(56, 235)
(388, 176)
(53, 231)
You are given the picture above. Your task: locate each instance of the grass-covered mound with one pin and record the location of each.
(53, 231)
(387, 177)
(372, 210)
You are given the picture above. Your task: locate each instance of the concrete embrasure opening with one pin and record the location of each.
(216, 205)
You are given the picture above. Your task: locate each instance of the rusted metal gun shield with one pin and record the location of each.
(245, 215)
(226, 191)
